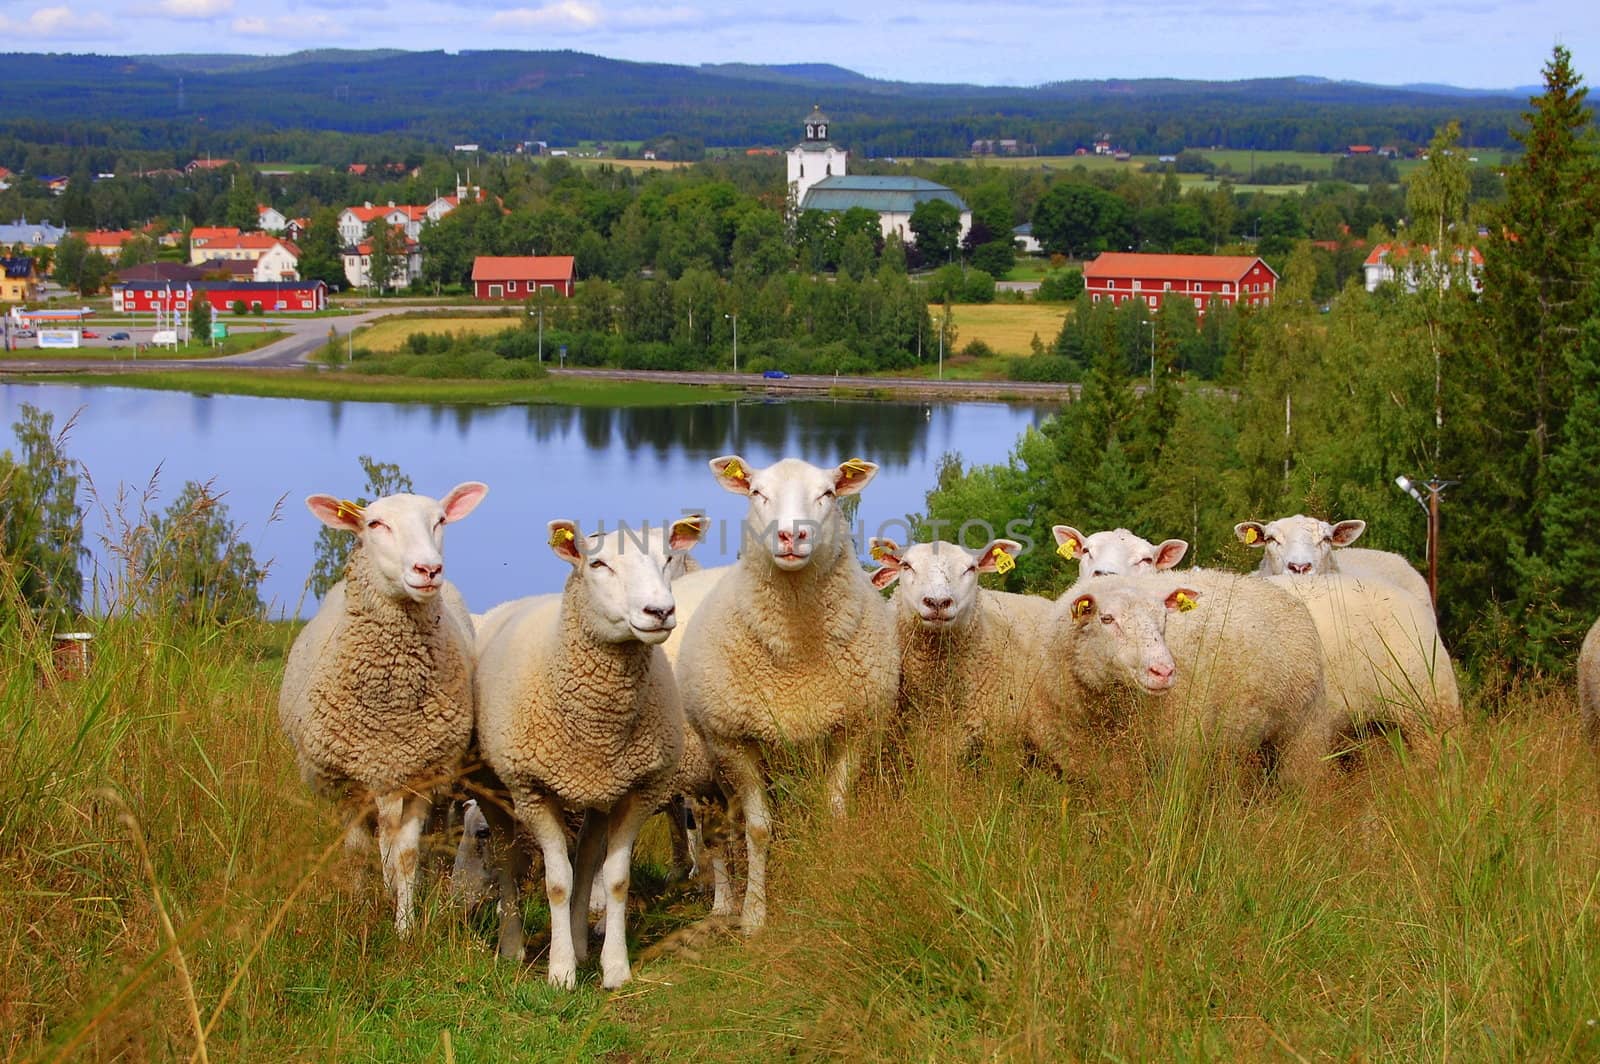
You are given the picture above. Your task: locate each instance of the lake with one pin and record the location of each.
(592, 464)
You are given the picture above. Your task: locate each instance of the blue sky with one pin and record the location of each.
(1473, 43)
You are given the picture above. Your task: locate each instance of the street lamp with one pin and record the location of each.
(1150, 322)
(734, 317)
(539, 309)
(1430, 506)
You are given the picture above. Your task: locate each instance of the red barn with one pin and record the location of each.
(280, 297)
(516, 277)
(1118, 276)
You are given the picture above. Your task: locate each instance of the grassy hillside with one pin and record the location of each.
(957, 913)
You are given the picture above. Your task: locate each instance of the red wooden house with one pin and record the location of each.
(516, 277)
(284, 297)
(1240, 280)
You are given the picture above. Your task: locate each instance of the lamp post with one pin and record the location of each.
(1152, 324)
(1430, 506)
(734, 317)
(539, 309)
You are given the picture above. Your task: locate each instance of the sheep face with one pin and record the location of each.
(1299, 545)
(403, 535)
(1117, 552)
(794, 505)
(1121, 638)
(938, 581)
(627, 576)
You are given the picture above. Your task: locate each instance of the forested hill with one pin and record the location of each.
(500, 98)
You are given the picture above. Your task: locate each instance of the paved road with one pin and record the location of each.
(309, 334)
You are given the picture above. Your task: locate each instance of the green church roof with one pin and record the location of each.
(881, 194)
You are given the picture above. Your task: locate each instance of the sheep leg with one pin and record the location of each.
(844, 755)
(743, 767)
(1302, 760)
(543, 821)
(683, 865)
(400, 819)
(585, 868)
(622, 828)
(509, 862)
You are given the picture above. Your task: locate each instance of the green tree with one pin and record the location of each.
(200, 318)
(936, 228)
(1077, 220)
(70, 253)
(243, 211)
(92, 274)
(193, 559)
(386, 261)
(332, 551)
(321, 256)
(41, 527)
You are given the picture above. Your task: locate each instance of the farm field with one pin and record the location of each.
(390, 334)
(1008, 328)
(957, 912)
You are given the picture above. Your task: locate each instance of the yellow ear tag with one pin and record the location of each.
(1185, 603)
(1251, 535)
(879, 552)
(1068, 549)
(855, 465)
(733, 470)
(560, 536)
(1003, 562)
(346, 508)
(1082, 607)
(685, 526)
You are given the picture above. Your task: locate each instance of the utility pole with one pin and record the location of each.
(735, 318)
(1430, 506)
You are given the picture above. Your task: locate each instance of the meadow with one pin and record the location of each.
(172, 892)
(1008, 328)
(390, 333)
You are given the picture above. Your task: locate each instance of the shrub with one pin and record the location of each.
(239, 308)
(1061, 286)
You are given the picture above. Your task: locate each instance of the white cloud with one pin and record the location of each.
(562, 14)
(290, 27)
(251, 26)
(56, 23)
(199, 9)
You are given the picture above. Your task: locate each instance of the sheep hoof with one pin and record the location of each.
(614, 975)
(564, 976)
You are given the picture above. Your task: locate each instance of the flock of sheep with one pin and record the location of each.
(581, 719)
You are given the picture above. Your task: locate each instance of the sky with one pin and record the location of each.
(1469, 43)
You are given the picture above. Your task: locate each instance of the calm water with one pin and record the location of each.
(540, 462)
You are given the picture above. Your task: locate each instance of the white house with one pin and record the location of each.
(270, 219)
(1380, 266)
(280, 262)
(358, 265)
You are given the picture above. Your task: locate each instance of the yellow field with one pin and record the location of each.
(390, 334)
(1009, 328)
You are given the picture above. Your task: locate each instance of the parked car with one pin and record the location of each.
(23, 334)
(776, 375)
(90, 334)
(119, 336)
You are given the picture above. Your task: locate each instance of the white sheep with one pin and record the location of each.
(792, 649)
(578, 711)
(1301, 546)
(1384, 662)
(966, 652)
(1589, 683)
(1199, 658)
(471, 880)
(377, 691)
(1117, 551)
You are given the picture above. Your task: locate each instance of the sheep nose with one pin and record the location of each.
(938, 604)
(1299, 567)
(427, 569)
(1162, 672)
(661, 613)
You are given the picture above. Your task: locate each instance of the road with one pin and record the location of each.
(308, 334)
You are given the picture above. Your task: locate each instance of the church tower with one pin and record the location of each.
(814, 158)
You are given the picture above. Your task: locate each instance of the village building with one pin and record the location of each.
(1388, 263)
(1237, 280)
(819, 181)
(291, 297)
(19, 279)
(270, 219)
(517, 277)
(25, 234)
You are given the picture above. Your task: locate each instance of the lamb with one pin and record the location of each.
(792, 649)
(1231, 661)
(1384, 663)
(1117, 551)
(966, 652)
(377, 692)
(1304, 545)
(578, 711)
(1589, 683)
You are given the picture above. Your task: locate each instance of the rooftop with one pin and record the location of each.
(876, 193)
(1188, 267)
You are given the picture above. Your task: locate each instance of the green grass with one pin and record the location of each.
(237, 343)
(310, 384)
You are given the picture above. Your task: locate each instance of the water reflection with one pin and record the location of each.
(593, 464)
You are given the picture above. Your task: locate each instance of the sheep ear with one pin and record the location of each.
(882, 578)
(852, 475)
(884, 549)
(1170, 553)
(564, 541)
(1000, 556)
(733, 473)
(1182, 599)
(335, 513)
(1347, 532)
(1250, 533)
(463, 499)
(687, 531)
(1069, 541)
(1082, 607)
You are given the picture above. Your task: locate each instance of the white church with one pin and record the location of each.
(819, 181)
